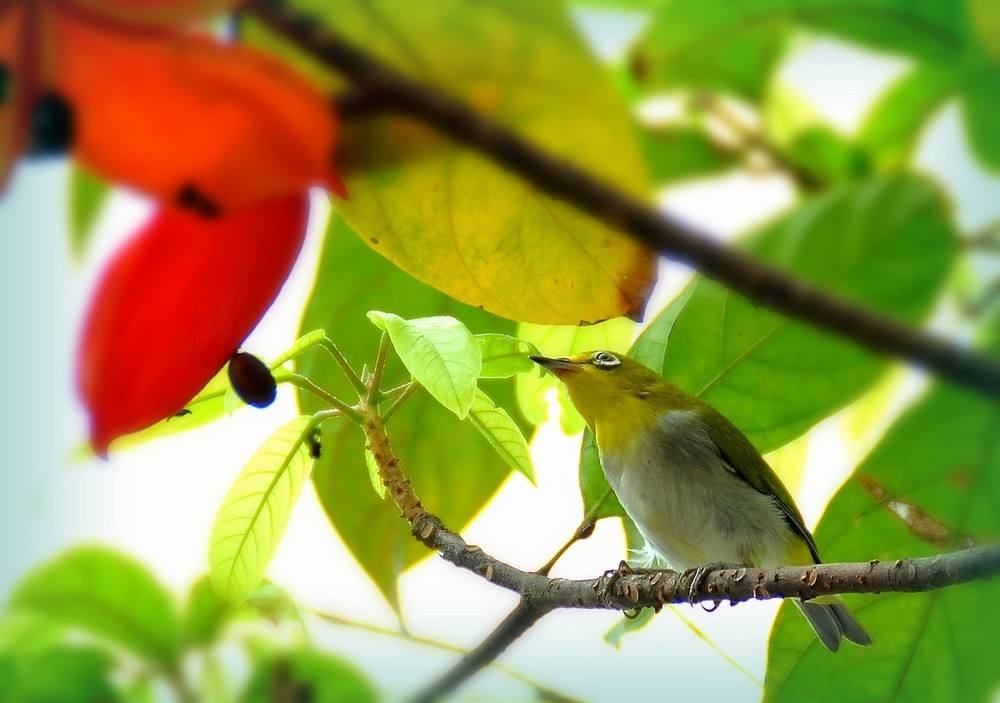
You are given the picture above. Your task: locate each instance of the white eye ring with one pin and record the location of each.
(606, 360)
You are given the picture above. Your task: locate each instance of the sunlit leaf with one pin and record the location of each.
(439, 352)
(932, 484)
(308, 675)
(256, 509)
(108, 595)
(504, 356)
(87, 196)
(451, 217)
(423, 433)
(502, 433)
(564, 340)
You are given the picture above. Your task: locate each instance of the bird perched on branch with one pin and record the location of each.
(696, 488)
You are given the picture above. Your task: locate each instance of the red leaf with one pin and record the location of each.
(173, 306)
(176, 114)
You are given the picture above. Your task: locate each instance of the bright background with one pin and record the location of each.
(157, 502)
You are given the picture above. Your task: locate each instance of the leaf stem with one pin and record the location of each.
(344, 364)
(307, 385)
(376, 379)
(583, 531)
(408, 391)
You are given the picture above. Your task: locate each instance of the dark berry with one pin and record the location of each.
(252, 380)
(193, 199)
(5, 81)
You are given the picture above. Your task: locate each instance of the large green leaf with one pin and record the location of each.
(932, 484)
(58, 674)
(256, 509)
(886, 243)
(308, 675)
(439, 352)
(454, 219)
(454, 469)
(108, 595)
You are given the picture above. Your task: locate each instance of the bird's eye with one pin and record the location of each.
(606, 360)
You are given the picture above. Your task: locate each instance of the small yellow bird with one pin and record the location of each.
(695, 487)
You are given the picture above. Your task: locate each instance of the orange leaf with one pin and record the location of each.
(189, 119)
(174, 305)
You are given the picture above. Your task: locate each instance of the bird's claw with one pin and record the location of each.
(698, 575)
(611, 577)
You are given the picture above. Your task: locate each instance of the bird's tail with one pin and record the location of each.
(832, 622)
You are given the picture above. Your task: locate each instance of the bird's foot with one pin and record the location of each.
(611, 577)
(698, 575)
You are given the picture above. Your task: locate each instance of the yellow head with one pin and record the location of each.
(616, 395)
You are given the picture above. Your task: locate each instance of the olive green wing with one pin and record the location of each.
(747, 463)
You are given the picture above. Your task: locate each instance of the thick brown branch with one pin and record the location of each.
(678, 240)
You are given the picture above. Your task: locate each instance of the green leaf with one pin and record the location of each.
(62, 673)
(502, 433)
(256, 509)
(564, 340)
(373, 474)
(827, 156)
(932, 484)
(450, 216)
(735, 47)
(206, 614)
(440, 354)
(108, 595)
(598, 498)
(719, 46)
(87, 196)
(351, 280)
(504, 356)
(893, 126)
(308, 675)
(683, 153)
(886, 243)
(981, 93)
(626, 625)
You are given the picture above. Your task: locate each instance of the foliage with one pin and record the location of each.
(932, 484)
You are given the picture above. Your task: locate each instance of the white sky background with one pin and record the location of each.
(158, 502)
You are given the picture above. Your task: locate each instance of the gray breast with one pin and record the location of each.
(689, 504)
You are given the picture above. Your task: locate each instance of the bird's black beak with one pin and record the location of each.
(554, 365)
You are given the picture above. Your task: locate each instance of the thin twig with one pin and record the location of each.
(679, 240)
(584, 530)
(550, 694)
(410, 389)
(344, 364)
(519, 621)
(310, 387)
(375, 382)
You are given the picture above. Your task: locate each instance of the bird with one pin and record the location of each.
(697, 489)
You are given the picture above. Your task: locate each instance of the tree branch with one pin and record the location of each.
(678, 240)
(614, 590)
